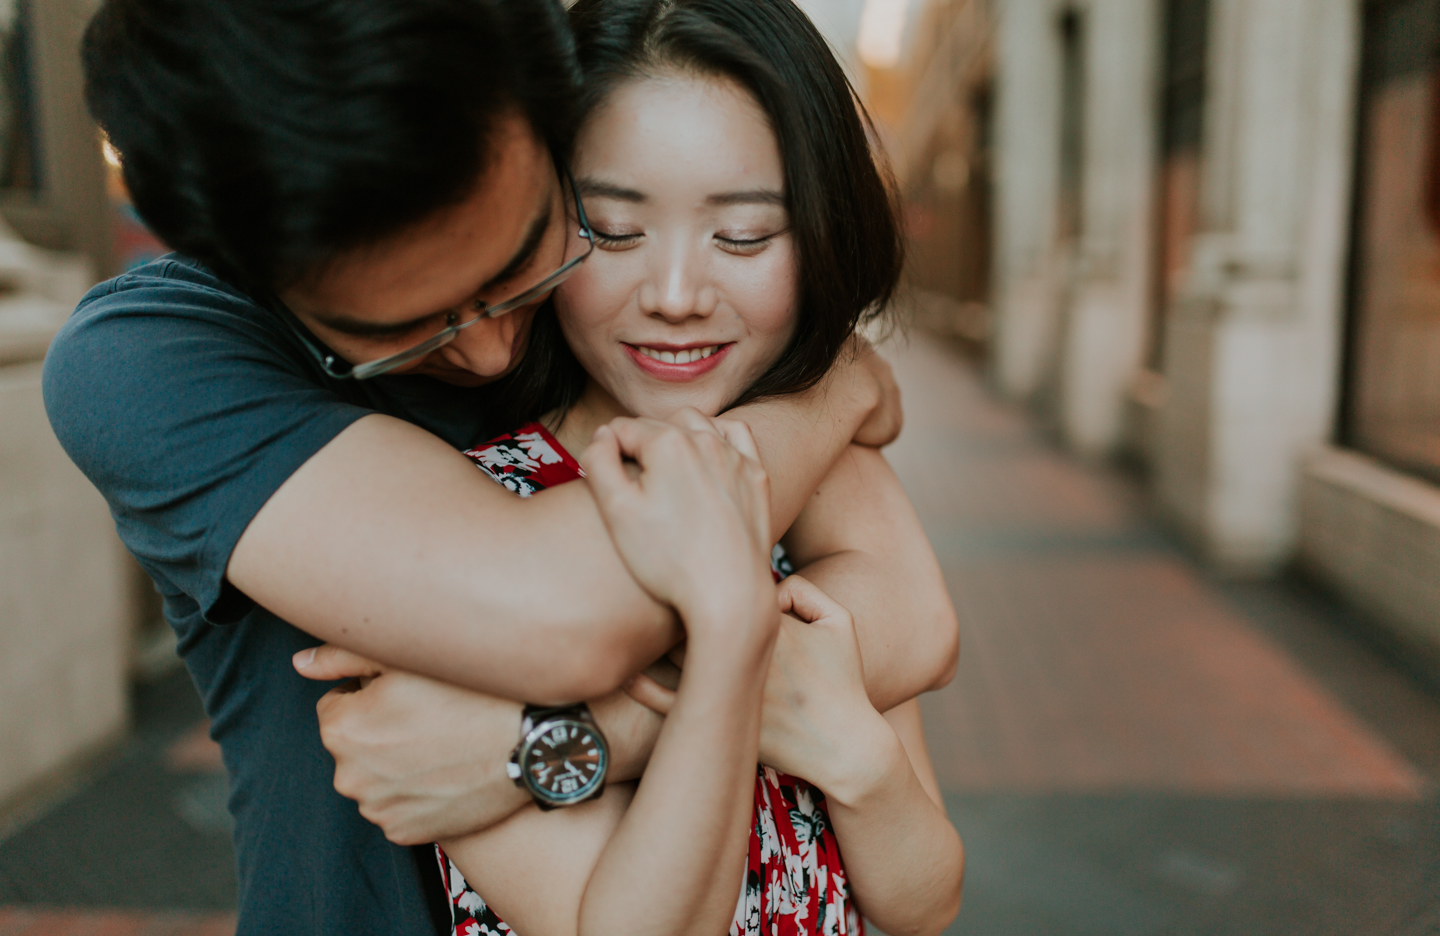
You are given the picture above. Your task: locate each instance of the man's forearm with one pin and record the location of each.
(426, 760)
(390, 543)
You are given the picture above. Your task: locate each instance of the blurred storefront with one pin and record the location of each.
(1217, 248)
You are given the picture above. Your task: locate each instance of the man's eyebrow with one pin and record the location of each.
(751, 197)
(362, 328)
(533, 237)
(595, 188)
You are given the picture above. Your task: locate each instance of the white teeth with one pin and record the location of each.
(678, 357)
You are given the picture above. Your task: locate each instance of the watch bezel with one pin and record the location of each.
(544, 795)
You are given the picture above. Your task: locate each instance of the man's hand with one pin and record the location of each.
(426, 760)
(885, 421)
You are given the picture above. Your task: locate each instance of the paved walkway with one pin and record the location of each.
(1129, 747)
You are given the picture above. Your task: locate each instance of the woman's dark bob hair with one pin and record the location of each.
(843, 215)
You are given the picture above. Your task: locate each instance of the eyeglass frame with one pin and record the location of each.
(340, 369)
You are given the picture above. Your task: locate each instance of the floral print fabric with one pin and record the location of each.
(794, 883)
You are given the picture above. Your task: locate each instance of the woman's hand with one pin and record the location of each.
(817, 722)
(693, 525)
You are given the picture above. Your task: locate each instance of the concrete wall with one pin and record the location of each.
(64, 625)
(1374, 534)
(67, 590)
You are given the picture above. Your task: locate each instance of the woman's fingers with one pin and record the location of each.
(738, 434)
(689, 514)
(649, 693)
(328, 662)
(802, 598)
(690, 418)
(603, 462)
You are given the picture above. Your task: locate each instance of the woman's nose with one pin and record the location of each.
(677, 287)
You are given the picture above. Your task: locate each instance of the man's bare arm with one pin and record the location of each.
(426, 760)
(390, 543)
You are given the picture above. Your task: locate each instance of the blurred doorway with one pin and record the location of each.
(1184, 44)
(1392, 394)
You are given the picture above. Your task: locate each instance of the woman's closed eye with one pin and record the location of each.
(745, 246)
(607, 241)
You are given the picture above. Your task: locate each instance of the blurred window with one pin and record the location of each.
(19, 156)
(1392, 386)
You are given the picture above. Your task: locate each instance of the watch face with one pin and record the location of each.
(563, 760)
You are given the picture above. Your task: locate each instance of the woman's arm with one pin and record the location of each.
(905, 861)
(674, 859)
(903, 858)
(391, 544)
(861, 542)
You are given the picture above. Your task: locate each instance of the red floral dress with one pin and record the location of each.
(794, 880)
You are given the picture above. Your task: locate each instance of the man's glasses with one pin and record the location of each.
(455, 322)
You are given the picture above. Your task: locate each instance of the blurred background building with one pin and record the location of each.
(1175, 288)
(1201, 235)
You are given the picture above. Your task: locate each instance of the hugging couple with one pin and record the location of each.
(613, 260)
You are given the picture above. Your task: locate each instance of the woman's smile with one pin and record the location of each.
(678, 363)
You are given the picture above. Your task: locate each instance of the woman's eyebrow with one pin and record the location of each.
(751, 197)
(595, 188)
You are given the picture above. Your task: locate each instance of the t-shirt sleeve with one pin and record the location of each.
(187, 407)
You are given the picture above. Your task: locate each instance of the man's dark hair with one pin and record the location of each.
(264, 137)
(843, 214)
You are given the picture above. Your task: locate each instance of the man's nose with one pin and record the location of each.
(677, 286)
(484, 348)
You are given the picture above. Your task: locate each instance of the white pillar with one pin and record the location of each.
(1252, 345)
(1109, 303)
(1027, 269)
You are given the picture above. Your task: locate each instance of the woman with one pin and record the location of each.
(720, 274)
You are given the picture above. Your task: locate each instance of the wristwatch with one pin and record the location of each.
(562, 756)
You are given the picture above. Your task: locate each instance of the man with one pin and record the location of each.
(355, 188)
